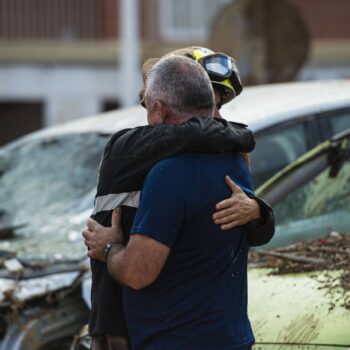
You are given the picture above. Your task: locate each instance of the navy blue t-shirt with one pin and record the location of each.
(199, 300)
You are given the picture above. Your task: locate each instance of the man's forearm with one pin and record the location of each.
(116, 263)
(138, 264)
(124, 268)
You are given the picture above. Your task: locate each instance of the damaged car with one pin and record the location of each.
(299, 284)
(46, 186)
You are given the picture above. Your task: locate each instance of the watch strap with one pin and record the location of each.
(108, 248)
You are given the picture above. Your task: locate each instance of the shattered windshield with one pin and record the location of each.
(46, 189)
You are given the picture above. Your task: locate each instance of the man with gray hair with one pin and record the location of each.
(182, 87)
(185, 281)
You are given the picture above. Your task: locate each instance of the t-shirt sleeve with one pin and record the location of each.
(161, 211)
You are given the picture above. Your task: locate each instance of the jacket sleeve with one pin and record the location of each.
(196, 135)
(261, 231)
(135, 151)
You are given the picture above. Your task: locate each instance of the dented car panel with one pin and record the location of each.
(41, 310)
(42, 326)
(297, 309)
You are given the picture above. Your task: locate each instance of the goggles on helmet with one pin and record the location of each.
(223, 70)
(218, 66)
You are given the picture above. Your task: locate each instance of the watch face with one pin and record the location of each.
(107, 249)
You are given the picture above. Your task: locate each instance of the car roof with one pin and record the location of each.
(266, 105)
(258, 107)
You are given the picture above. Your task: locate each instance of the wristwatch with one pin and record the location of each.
(108, 247)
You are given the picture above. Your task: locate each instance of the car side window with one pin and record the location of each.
(275, 149)
(318, 207)
(340, 122)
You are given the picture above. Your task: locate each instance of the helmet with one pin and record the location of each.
(221, 68)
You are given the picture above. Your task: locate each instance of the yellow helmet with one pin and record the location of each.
(221, 68)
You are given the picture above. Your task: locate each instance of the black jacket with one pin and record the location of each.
(129, 156)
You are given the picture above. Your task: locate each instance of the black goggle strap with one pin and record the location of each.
(236, 83)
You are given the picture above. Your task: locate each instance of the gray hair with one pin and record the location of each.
(183, 85)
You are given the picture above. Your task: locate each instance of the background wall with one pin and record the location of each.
(61, 59)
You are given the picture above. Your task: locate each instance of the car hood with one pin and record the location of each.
(17, 292)
(53, 239)
(302, 308)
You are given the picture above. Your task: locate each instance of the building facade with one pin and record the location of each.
(60, 59)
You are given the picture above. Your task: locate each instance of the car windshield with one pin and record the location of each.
(47, 188)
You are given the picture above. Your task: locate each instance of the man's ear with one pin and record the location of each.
(156, 112)
(159, 113)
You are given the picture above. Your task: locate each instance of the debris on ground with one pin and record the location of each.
(331, 253)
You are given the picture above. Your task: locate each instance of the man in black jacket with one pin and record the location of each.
(128, 157)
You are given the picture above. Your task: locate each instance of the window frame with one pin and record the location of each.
(310, 133)
(196, 8)
(325, 123)
(309, 124)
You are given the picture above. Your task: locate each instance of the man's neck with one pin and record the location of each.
(181, 120)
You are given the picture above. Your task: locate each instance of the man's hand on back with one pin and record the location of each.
(97, 236)
(237, 210)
